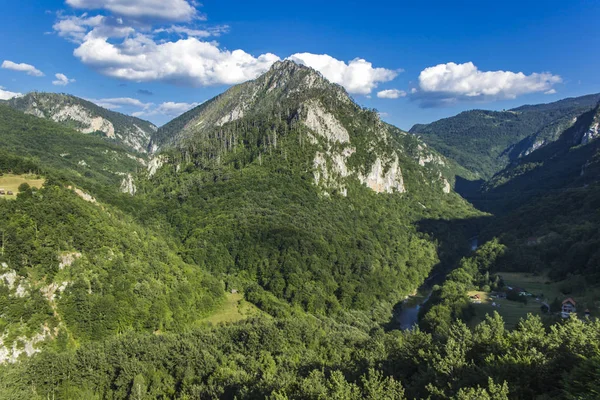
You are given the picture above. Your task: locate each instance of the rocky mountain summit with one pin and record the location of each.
(345, 142)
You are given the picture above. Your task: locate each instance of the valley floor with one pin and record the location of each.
(543, 290)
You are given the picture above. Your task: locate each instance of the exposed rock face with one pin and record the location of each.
(446, 186)
(87, 117)
(324, 123)
(85, 196)
(76, 112)
(233, 115)
(381, 181)
(67, 259)
(14, 282)
(11, 347)
(591, 134)
(127, 186)
(22, 345)
(155, 164)
(17, 287)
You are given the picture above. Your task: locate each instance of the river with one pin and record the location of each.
(407, 314)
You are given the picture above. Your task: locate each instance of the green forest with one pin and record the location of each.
(108, 295)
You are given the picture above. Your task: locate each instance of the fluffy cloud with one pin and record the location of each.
(62, 80)
(449, 83)
(186, 61)
(171, 10)
(121, 46)
(77, 29)
(6, 95)
(551, 91)
(169, 109)
(358, 76)
(391, 94)
(118, 102)
(29, 69)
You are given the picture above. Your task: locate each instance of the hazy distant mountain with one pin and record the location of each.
(484, 142)
(570, 161)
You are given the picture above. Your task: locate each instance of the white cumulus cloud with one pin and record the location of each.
(118, 102)
(451, 82)
(358, 76)
(391, 94)
(22, 67)
(171, 10)
(123, 45)
(129, 104)
(7, 95)
(551, 91)
(62, 80)
(186, 61)
(169, 108)
(77, 29)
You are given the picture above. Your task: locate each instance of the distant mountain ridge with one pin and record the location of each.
(571, 161)
(87, 117)
(485, 142)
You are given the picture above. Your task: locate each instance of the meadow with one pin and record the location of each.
(11, 182)
(512, 311)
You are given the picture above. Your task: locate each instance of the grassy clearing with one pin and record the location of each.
(512, 311)
(10, 182)
(535, 284)
(538, 285)
(233, 309)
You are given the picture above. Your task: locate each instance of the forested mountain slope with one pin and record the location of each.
(485, 142)
(85, 160)
(87, 117)
(545, 226)
(72, 267)
(286, 182)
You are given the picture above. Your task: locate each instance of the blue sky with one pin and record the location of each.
(413, 61)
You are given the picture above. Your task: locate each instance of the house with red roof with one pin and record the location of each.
(568, 307)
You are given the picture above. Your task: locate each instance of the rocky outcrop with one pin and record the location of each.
(85, 196)
(67, 259)
(155, 164)
(325, 124)
(22, 345)
(381, 179)
(233, 115)
(591, 134)
(127, 185)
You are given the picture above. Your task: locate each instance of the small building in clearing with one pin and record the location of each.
(568, 307)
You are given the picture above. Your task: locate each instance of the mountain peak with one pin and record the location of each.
(288, 65)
